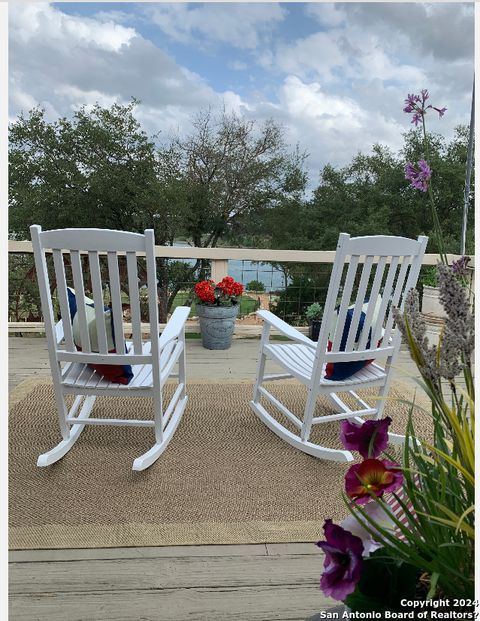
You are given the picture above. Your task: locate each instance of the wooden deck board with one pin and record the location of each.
(196, 582)
(253, 603)
(186, 572)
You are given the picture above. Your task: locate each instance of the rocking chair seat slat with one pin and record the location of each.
(301, 358)
(81, 374)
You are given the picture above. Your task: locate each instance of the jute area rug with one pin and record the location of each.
(224, 478)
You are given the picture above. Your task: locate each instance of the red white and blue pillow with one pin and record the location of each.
(338, 371)
(115, 373)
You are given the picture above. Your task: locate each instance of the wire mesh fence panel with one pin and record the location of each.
(285, 288)
(23, 294)
(305, 284)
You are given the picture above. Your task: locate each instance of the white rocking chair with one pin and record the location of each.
(398, 261)
(152, 362)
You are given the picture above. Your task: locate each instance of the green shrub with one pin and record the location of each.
(255, 285)
(429, 277)
(314, 312)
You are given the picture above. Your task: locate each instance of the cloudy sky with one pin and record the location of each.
(333, 74)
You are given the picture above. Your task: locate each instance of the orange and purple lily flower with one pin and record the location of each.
(372, 477)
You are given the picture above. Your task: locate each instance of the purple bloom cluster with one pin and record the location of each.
(459, 267)
(418, 178)
(344, 550)
(416, 104)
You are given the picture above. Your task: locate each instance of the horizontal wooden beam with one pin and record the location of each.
(241, 330)
(239, 254)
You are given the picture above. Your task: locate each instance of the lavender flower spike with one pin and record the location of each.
(418, 329)
(460, 266)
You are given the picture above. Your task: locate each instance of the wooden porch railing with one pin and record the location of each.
(219, 258)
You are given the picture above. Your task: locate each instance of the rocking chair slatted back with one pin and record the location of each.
(371, 275)
(80, 292)
(93, 270)
(134, 301)
(116, 295)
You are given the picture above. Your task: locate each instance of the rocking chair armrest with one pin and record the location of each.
(285, 328)
(175, 325)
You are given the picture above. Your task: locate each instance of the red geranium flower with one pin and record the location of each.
(224, 293)
(204, 290)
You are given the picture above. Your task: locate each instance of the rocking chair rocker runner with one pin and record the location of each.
(358, 329)
(87, 343)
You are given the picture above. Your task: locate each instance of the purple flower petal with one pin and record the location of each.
(369, 438)
(343, 561)
(417, 117)
(418, 178)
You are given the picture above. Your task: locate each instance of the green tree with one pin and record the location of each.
(447, 161)
(96, 169)
(371, 196)
(100, 169)
(234, 169)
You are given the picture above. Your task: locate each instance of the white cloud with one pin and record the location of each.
(234, 103)
(326, 14)
(323, 111)
(442, 30)
(320, 53)
(349, 51)
(113, 16)
(241, 25)
(330, 127)
(237, 65)
(336, 91)
(87, 98)
(29, 21)
(62, 62)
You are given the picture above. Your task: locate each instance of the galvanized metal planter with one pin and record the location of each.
(216, 325)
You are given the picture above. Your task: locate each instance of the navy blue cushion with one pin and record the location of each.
(337, 371)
